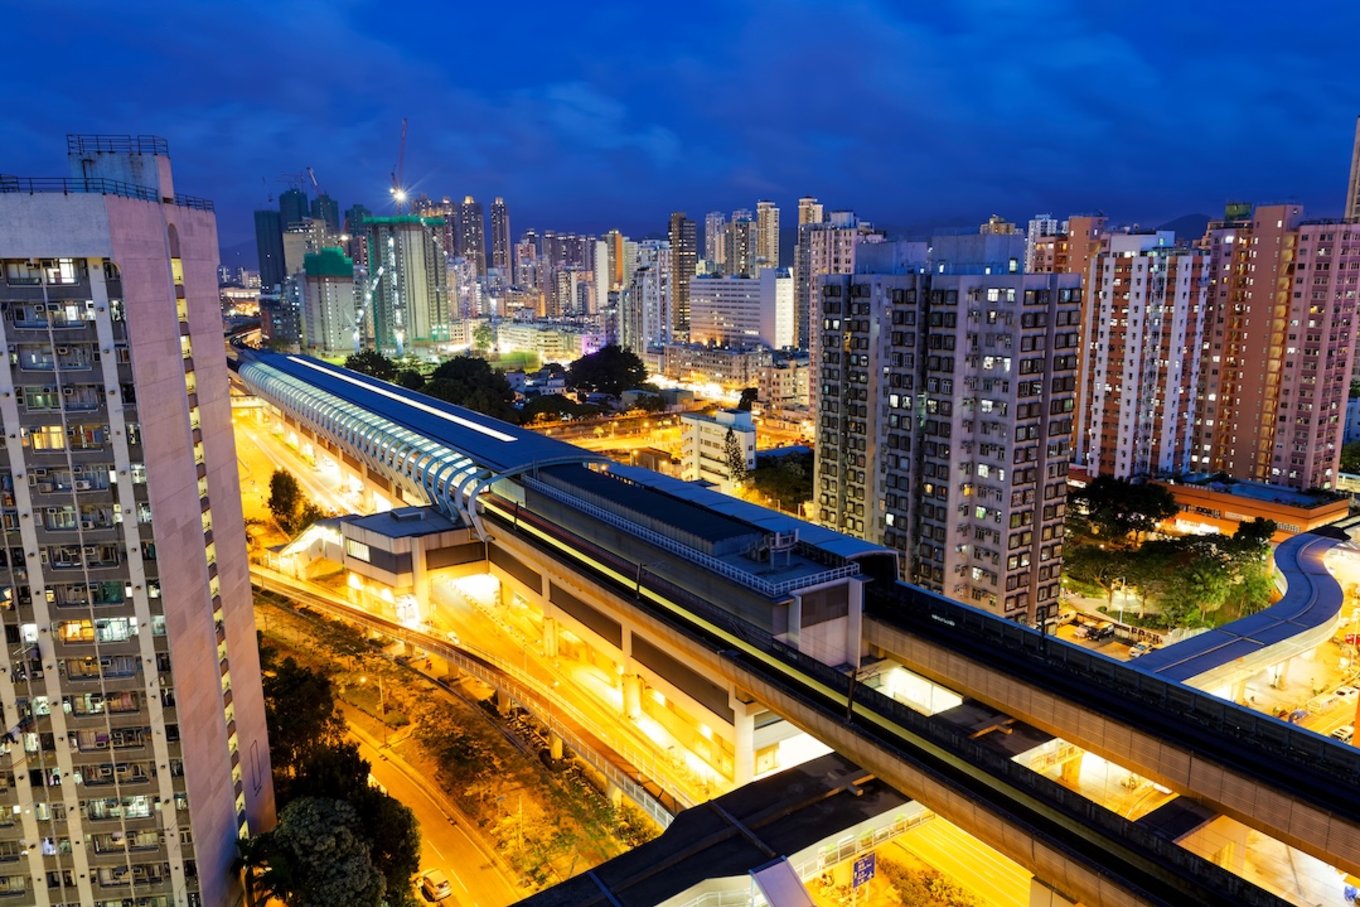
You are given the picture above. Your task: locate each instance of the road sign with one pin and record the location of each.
(864, 869)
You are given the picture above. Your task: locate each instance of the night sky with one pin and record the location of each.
(591, 115)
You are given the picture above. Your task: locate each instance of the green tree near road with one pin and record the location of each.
(483, 337)
(1114, 508)
(300, 716)
(735, 455)
(372, 363)
(411, 379)
(611, 370)
(472, 382)
(285, 497)
(749, 395)
(1350, 457)
(317, 856)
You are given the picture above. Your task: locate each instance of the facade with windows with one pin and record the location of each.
(134, 754)
(945, 406)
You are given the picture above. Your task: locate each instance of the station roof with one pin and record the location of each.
(492, 444)
(738, 832)
(406, 522)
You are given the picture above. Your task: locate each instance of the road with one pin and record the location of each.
(998, 880)
(443, 843)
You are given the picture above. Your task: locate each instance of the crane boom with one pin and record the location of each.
(398, 190)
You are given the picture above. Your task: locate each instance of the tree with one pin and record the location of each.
(316, 856)
(411, 379)
(611, 370)
(300, 716)
(338, 772)
(785, 479)
(285, 497)
(373, 363)
(651, 403)
(735, 454)
(749, 395)
(472, 382)
(483, 336)
(1350, 457)
(1117, 508)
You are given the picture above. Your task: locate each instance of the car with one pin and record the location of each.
(1082, 631)
(1351, 639)
(434, 884)
(453, 638)
(1102, 633)
(1139, 648)
(1346, 692)
(1344, 733)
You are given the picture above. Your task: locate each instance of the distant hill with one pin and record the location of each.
(1187, 226)
(241, 255)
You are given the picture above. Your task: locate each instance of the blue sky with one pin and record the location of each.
(590, 115)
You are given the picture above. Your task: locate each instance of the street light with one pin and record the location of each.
(382, 704)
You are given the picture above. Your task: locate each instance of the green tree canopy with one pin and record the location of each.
(411, 379)
(285, 497)
(300, 716)
(338, 771)
(735, 455)
(786, 479)
(372, 362)
(317, 856)
(749, 395)
(1117, 508)
(472, 382)
(1350, 457)
(483, 336)
(611, 370)
(555, 406)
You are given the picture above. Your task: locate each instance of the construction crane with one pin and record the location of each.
(398, 190)
(315, 185)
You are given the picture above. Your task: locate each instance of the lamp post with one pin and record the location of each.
(382, 704)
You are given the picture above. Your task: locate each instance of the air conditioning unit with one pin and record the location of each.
(63, 350)
(83, 484)
(86, 524)
(68, 391)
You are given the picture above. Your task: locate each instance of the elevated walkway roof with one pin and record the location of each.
(1300, 620)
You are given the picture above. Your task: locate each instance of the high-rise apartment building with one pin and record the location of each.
(355, 236)
(328, 303)
(1280, 347)
(501, 250)
(825, 247)
(740, 255)
(1143, 319)
(767, 234)
(136, 754)
(1040, 225)
(269, 248)
(684, 261)
(327, 209)
(743, 311)
(809, 211)
(447, 214)
(715, 238)
(944, 419)
(408, 282)
(472, 234)
(294, 207)
(644, 317)
(1353, 187)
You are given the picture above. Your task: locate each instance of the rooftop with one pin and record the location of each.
(786, 813)
(68, 185)
(406, 522)
(1258, 491)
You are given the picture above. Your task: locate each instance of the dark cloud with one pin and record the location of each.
(586, 116)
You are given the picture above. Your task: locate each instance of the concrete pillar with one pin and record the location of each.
(632, 695)
(420, 577)
(503, 705)
(549, 637)
(854, 625)
(1071, 771)
(1041, 895)
(795, 620)
(743, 739)
(615, 795)
(555, 747)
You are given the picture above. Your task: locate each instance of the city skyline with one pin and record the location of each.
(1074, 111)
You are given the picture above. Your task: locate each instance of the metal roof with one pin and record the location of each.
(495, 445)
(1312, 602)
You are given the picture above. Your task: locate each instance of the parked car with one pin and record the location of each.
(1102, 633)
(1344, 733)
(1346, 693)
(1139, 648)
(435, 885)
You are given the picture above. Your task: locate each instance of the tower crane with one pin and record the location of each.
(398, 191)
